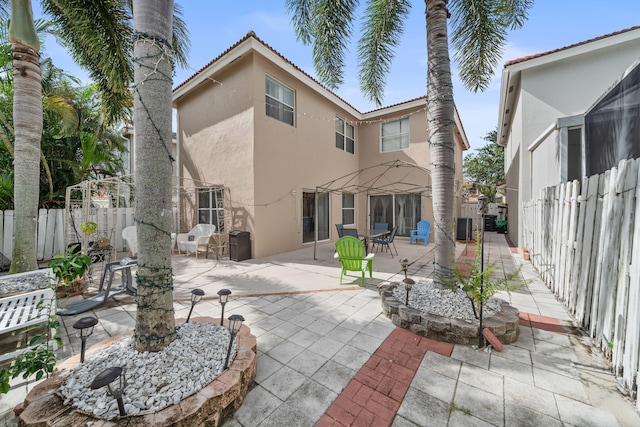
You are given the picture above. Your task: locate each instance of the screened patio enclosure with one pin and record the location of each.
(612, 125)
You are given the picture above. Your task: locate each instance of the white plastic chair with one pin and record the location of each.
(200, 235)
(129, 235)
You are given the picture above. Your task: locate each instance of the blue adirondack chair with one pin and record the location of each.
(350, 250)
(421, 233)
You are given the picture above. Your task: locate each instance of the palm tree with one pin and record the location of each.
(479, 35)
(99, 36)
(155, 324)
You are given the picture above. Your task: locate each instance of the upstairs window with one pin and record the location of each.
(345, 139)
(279, 100)
(395, 135)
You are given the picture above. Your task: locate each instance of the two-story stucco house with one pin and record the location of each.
(567, 114)
(258, 136)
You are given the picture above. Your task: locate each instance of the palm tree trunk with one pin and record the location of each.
(27, 123)
(440, 122)
(155, 322)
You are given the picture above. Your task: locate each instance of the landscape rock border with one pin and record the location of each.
(209, 406)
(504, 324)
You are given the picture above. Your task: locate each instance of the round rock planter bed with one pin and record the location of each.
(503, 323)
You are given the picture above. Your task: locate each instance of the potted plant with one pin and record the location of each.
(103, 242)
(69, 271)
(501, 226)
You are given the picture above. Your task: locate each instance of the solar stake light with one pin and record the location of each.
(224, 297)
(85, 328)
(408, 284)
(405, 265)
(235, 323)
(115, 389)
(196, 296)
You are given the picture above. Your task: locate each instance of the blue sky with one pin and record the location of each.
(215, 25)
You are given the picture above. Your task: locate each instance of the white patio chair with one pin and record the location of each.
(200, 235)
(129, 235)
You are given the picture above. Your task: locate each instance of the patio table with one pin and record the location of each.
(368, 234)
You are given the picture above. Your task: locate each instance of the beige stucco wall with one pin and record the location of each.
(216, 122)
(371, 154)
(292, 159)
(267, 165)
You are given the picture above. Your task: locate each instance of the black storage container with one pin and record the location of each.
(464, 229)
(490, 222)
(239, 245)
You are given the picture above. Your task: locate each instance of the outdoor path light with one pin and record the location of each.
(408, 284)
(235, 323)
(224, 297)
(405, 265)
(85, 328)
(107, 378)
(196, 295)
(483, 207)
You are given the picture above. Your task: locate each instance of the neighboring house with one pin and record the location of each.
(257, 136)
(568, 113)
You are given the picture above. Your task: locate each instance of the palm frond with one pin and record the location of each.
(180, 42)
(301, 18)
(98, 35)
(479, 36)
(327, 25)
(383, 25)
(514, 12)
(64, 109)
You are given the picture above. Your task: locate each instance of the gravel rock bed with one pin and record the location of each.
(429, 298)
(154, 380)
(11, 284)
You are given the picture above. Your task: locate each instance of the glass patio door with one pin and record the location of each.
(313, 222)
(381, 210)
(407, 210)
(402, 210)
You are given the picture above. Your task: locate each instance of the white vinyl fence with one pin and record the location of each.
(51, 230)
(584, 240)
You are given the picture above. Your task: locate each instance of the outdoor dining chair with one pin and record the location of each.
(381, 226)
(349, 251)
(349, 232)
(387, 241)
(339, 227)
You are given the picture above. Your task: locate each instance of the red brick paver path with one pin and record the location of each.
(373, 396)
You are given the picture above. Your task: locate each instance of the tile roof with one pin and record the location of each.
(253, 35)
(538, 55)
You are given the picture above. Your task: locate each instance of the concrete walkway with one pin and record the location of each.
(328, 356)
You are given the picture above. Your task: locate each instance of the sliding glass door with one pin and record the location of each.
(315, 222)
(403, 210)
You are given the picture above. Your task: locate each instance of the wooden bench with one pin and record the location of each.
(23, 310)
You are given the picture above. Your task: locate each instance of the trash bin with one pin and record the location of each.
(490, 222)
(239, 245)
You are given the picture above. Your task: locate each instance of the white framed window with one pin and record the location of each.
(211, 207)
(345, 136)
(348, 208)
(395, 135)
(279, 101)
